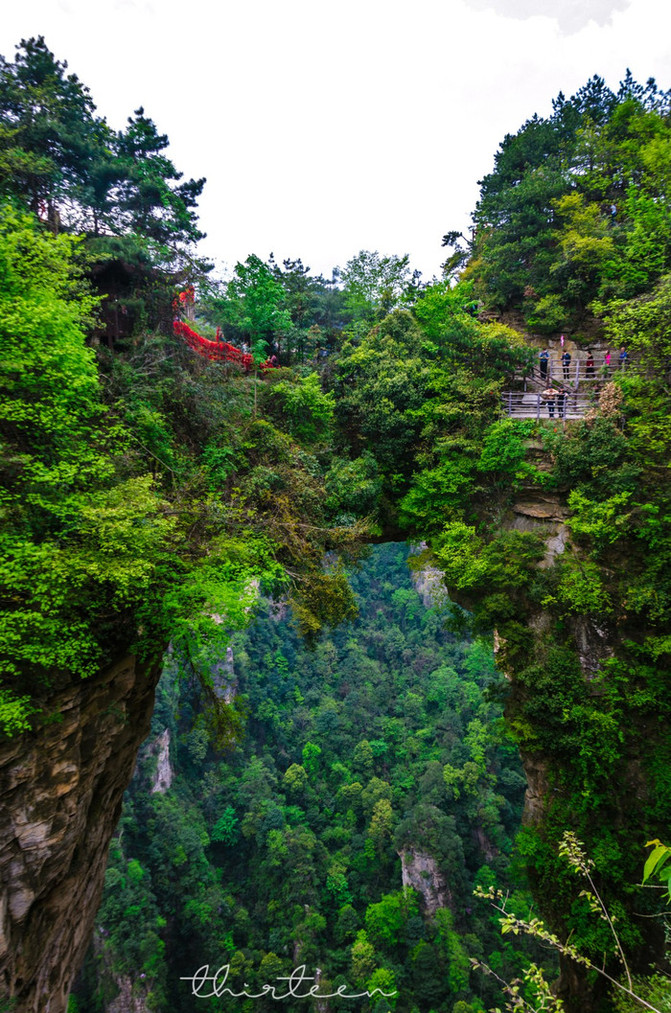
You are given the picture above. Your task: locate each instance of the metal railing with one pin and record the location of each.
(532, 405)
(577, 372)
(580, 377)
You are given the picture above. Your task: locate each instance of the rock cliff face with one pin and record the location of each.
(60, 790)
(164, 775)
(126, 1002)
(593, 639)
(223, 678)
(130, 995)
(429, 584)
(420, 871)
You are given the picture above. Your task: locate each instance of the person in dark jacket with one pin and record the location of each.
(561, 403)
(544, 358)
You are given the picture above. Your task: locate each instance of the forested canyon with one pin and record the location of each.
(394, 555)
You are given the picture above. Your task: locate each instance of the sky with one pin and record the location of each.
(328, 128)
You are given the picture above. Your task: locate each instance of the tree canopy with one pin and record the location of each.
(576, 208)
(70, 167)
(150, 495)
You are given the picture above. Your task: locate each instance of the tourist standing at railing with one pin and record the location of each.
(623, 357)
(561, 404)
(589, 366)
(566, 363)
(549, 396)
(544, 357)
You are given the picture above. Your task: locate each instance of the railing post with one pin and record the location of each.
(538, 407)
(577, 373)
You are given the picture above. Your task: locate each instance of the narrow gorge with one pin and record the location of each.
(409, 544)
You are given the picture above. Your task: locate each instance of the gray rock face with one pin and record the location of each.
(126, 1001)
(60, 792)
(164, 772)
(223, 677)
(429, 582)
(420, 871)
(430, 586)
(544, 514)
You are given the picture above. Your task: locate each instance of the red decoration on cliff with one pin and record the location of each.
(218, 351)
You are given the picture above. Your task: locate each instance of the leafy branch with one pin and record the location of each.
(570, 848)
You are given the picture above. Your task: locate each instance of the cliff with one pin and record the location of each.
(61, 789)
(590, 749)
(420, 871)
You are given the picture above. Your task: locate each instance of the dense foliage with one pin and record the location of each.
(71, 168)
(114, 533)
(78, 526)
(149, 495)
(577, 207)
(143, 492)
(455, 472)
(380, 742)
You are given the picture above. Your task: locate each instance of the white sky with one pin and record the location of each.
(326, 128)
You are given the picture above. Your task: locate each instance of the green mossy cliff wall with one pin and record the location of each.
(584, 704)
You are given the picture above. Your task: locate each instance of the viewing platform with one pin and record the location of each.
(532, 405)
(578, 389)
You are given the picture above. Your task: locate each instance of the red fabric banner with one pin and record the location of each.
(218, 351)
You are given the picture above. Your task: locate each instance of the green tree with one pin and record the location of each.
(363, 959)
(386, 921)
(311, 754)
(151, 200)
(296, 778)
(255, 305)
(50, 138)
(76, 540)
(304, 407)
(225, 830)
(376, 285)
(65, 162)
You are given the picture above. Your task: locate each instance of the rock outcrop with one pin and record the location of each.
(223, 678)
(128, 996)
(429, 583)
(420, 871)
(593, 636)
(126, 1001)
(164, 775)
(61, 788)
